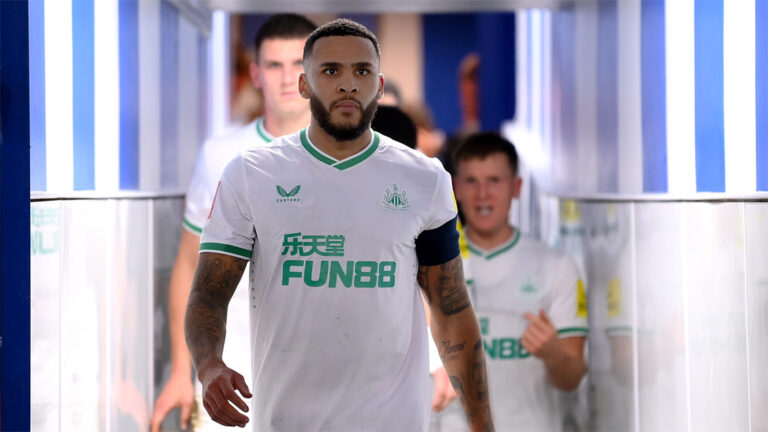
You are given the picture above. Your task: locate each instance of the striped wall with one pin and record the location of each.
(118, 97)
(651, 96)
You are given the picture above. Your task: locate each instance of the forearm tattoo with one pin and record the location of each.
(445, 282)
(474, 395)
(453, 290)
(205, 322)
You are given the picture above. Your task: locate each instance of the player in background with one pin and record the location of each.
(526, 296)
(338, 223)
(279, 46)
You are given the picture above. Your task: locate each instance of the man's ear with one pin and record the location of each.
(517, 187)
(303, 86)
(380, 93)
(253, 71)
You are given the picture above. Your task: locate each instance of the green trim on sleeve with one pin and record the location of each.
(192, 227)
(567, 330)
(219, 247)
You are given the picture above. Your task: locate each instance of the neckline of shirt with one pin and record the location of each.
(343, 164)
(261, 131)
(498, 250)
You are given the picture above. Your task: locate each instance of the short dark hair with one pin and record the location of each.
(340, 27)
(283, 26)
(481, 145)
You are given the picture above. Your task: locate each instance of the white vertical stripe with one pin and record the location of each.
(546, 91)
(522, 68)
(58, 96)
(630, 127)
(536, 78)
(149, 95)
(586, 97)
(681, 108)
(739, 95)
(218, 73)
(188, 142)
(107, 95)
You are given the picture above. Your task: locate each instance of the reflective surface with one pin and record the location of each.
(678, 294)
(94, 276)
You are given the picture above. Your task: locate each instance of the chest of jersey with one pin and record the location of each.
(509, 285)
(341, 228)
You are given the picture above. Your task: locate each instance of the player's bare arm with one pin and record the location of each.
(563, 357)
(456, 333)
(215, 281)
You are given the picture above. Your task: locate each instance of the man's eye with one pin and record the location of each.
(363, 72)
(330, 71)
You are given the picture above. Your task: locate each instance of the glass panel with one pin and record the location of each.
(45, 237)
(607, 239)
(659, 317)
(756, 215)
(714, 282)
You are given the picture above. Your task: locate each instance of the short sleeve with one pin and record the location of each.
(229, 229)
(443, 207)
(202, 187)
(568, 306)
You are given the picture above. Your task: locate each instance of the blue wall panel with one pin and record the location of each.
(710, 126)
(654, 93)
(83, 95)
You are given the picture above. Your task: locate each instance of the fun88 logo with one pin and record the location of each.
(331, 273)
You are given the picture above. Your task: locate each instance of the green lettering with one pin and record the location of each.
(321, 278)
(492, 350)
(288, 273)
(387, 274)
(365, 274)
(508, 348)
(523, 352)
(337, 273)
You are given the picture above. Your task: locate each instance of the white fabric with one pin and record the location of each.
(522, 275)
(214, 156)
(348, 354)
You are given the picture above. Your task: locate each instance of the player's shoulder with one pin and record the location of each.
(283, 148)
(399, 153)
(231, 142)
(542, 251)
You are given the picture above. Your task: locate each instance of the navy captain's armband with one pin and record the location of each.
(439, 245)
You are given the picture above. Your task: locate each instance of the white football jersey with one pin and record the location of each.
(214, 156)
(519, 276)
(339, 335)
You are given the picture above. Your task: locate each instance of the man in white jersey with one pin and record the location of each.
(525, 294)
(338, 223)
(279, 46)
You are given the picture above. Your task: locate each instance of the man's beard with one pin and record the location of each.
(347, 132)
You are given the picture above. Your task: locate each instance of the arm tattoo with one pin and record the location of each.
(423, 280)
(205, 322)
(453, 290)
(449, 352)
(445, 282)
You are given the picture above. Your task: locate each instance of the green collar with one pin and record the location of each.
(509, 244)
(343, 164)
(261, 131)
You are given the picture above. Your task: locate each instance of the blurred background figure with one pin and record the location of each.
(429, 139)
(391, 95)
(394, 123)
